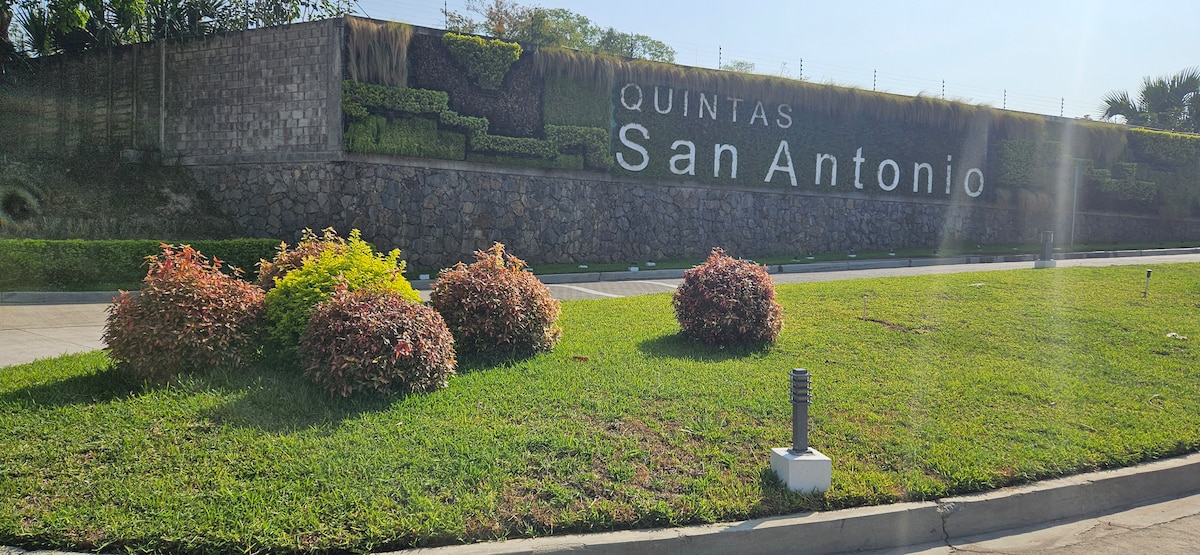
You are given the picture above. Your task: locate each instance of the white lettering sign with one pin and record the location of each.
(633, 152)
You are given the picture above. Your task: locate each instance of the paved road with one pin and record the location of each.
(36, 326)
(607, 289)
(32, 331)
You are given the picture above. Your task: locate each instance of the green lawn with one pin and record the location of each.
(951, 384)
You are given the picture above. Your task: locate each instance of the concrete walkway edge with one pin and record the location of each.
(883, 527)
(52, 297)
(842, 265)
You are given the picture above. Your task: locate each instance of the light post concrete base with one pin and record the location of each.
(810, 472)
(1039, 264)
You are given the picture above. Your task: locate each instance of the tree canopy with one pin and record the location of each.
(739, 66)
(1167, 102)
(553, 27)
(43, 27)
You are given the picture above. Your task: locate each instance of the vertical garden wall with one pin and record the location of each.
(440, 144)
(755, 163)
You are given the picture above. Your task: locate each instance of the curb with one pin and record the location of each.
(92, 297)
(869, 528)
(57, 297)
(882, 527)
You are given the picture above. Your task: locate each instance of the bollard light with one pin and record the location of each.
(1047, 245)
(801, 467)
(1046, 256)
(1146, 289)
(801, 398)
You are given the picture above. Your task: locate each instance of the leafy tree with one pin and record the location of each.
(552, 27)
(634, 46)
(46, 27)
(6, 20)
(1169, 102)
(740, 66)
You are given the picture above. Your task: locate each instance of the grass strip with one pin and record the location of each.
(935, 385)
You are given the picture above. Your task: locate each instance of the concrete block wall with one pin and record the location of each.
(268, 94)
(261, 95)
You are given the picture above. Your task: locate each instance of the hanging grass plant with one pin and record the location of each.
(377, 52)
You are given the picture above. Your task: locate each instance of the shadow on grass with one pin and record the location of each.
(108, 383)
(681, 347)
(777, 499)
(271, 395)
(277, 398)
(470, 362)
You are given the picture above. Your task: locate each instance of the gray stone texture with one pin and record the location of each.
(440, 215)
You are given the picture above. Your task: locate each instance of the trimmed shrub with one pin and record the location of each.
(495, 307)
(726, 301)
(376, 341)
(188, 317)
(354, 265)
(309, 246)
(486, 61)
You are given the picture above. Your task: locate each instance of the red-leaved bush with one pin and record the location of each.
(376, 341)
(726, 301)
(495, 307)
(189, 316)
(286, 260)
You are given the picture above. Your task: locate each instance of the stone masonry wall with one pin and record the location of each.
(440, 215)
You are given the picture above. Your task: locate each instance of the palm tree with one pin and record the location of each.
(1170, 102)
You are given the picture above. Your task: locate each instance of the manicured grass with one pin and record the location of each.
(951, 384)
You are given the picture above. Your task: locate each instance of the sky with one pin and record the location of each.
(1056, 57)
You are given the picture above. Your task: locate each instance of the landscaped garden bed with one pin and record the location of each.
(924, 387)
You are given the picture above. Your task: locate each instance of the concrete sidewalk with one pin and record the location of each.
(37, 325)
(45, 325)
(1038, 518)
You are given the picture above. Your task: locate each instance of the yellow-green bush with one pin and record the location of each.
(355, 266)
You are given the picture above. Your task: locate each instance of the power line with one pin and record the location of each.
(433, 13)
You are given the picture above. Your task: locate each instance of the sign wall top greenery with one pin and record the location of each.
(526, 105)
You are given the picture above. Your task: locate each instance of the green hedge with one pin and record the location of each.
(357, 97)
(1165, 149)
(405, 136)
(383, 120)
(592, 142)
(485, 61)
(553, 108)
(39, 264)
